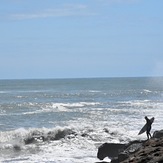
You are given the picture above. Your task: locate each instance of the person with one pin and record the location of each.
(149, 126)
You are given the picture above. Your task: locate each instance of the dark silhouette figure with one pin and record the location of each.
(149, 125)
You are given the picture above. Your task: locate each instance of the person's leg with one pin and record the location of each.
(150, 134)
(148, 131)
(147, 135)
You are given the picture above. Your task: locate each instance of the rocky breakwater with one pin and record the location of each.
(148, 151)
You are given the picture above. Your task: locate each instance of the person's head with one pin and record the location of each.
(146, 117)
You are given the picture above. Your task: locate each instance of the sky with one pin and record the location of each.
(80, 38)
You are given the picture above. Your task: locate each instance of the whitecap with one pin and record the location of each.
(146, 90)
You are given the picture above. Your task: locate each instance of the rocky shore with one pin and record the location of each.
(148, 151)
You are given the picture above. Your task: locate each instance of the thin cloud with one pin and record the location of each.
(64, 11)
(158, 69)
(119, 1)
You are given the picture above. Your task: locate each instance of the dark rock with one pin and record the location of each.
(29, 140)
(110, 150)
(158, 134)
(118, 152)
(148, 151)
(151, 152)
(60, 134)
(115, 160)
(16, 147)
(122, 156)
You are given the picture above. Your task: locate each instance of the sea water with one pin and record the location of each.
(70, 118)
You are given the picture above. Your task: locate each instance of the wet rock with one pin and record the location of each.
(60, 134)
(148, 151)
(158, 134)
(29, 140)
(118, 152)
(17, 147)
(110, 150)
(122, 156)
(151, 152)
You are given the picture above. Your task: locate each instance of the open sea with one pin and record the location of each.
(66, 120)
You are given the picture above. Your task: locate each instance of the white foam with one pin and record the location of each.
(74, 150)
(94, 91)
(59, 107)
(79, 147)
(96, 126)
(78, 104)
(146, 90)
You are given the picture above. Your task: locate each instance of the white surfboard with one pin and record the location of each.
(145, 127)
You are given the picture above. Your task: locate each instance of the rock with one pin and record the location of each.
(129, 148)
(29, 140)
(16, 147)
(118, 152)
(151, 152)
(122, 156)
(110, 150)
(158, 134)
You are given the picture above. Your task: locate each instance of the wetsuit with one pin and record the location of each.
(149, 124)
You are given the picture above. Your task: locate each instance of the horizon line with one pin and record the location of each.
(64, 78)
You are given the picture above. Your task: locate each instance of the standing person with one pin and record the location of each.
(149, 125)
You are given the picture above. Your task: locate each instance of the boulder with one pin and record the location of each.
(110, 150)
(118, 152)
(151, 152)
(129, 148)
(158, 134)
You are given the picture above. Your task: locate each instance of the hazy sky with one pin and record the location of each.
(80, 38)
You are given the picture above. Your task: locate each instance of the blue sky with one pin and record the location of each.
(80, 38)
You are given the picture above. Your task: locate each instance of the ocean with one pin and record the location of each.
(66, 120)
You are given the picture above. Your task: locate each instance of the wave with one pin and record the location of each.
(94, 91)
(38, 108)
(146, 90)
(33, 143)
(143, 103)
(34, 135)
(30, 140)
(59, 107)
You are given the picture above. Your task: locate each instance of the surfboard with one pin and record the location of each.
(145, 127)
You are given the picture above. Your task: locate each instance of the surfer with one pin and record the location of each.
(149, 125)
